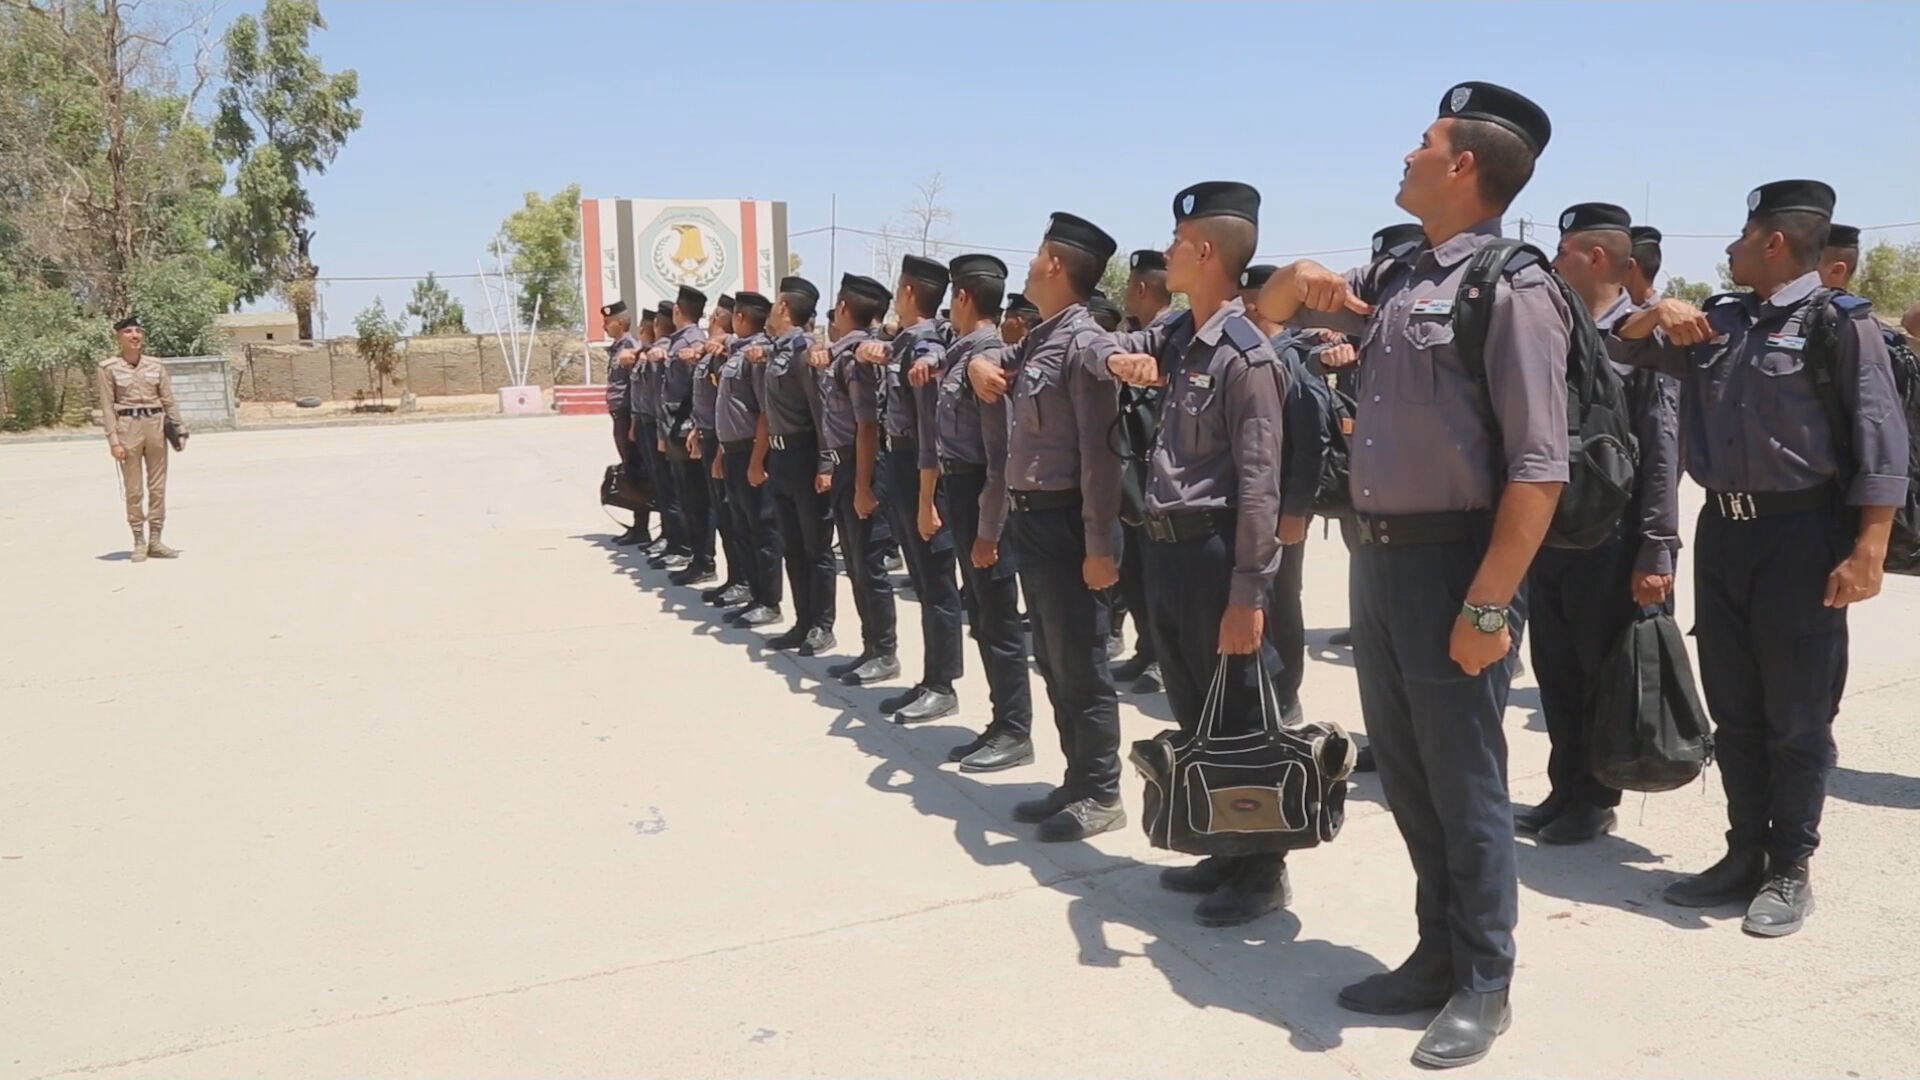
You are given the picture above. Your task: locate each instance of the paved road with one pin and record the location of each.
(403, 771)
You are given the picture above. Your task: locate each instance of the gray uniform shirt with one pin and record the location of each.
(619, 379)
(840, 392)
(864, 382)
(1218, 447)
(676, 375)
(1063, 403)
(1428, 437)
(643, 393)
(792, 392)
(950, 419)
(1750, 420)
(706, 389)
(736, 412)
(1654, 401)
(911, 345)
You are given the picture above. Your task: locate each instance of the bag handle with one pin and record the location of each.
(1210, 709)
(1217, 692)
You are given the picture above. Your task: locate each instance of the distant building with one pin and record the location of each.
(257, 328)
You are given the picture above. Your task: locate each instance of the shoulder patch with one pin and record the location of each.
(1722, 298)
(1855, 306)
(1084, 339)
(1246, 337)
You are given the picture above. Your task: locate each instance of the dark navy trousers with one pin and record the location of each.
(666, 487)
(806, 526)
(1287, 622)
(996, 605)
(1070, 646)
(930, 565)
(1190, 580)
(865, 557)
(1580, 602)
(756, 530)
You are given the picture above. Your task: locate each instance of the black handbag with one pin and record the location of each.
(175, 437)
(1648, 731)
(616, 489)
(1278, 788)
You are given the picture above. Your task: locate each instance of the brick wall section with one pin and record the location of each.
(203, 389)
(461, 364)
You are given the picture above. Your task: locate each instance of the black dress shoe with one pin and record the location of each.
(1464, 1031)
(694, 574)
(1340, 637)
(876, 669)
(1003, 750)
(1132, 669)
(658, 562)
(1082, 818)
(1148, 682)
(1035, 811)
(760, 615)
(1257, 885)
(901, 700)
(676, 563)
(654, 545)
(1363, 760)
(848, 667)
(632, 537)
(1535, 818)
(1202, 877)
(1423, 982)
(892, 563)
(958, 753)
(1783, 904)
(725, 594)
(930, 705)
(792, 639)
(818, 640)
(1579, 823)
(1736, 877)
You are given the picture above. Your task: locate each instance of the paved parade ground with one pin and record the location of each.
(402, 770)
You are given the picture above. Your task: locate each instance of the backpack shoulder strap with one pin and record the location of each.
(1473, 301)
(1820, 323)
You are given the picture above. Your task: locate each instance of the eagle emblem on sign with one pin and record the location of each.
(686, 246)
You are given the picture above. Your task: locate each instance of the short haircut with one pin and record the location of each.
(1647, 254)
(1502, 162)
(693, 313)
(985, 292)
(1234, 238)
(1805, 232)
(1617, 245)
(1154, 280)
(754, 316)
(865, 310)
(800, 307)
(1083, 267)
(1846, 253)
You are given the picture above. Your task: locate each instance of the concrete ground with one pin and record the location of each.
(403, 771)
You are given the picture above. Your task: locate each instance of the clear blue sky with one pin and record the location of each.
(1673, 110)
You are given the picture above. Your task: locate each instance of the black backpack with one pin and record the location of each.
(1334, 497)
(1903, 546)
(1648, 731)
(1602, 454)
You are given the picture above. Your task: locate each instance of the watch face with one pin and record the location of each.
(1492, 621)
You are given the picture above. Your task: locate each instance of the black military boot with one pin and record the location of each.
(1464, 1031)
(1578, 823)
(1737, 876)
(1424, 981)
(1202, 877)
(1784, 902)
(1034, 811)
(1132, 669)
(1257, 885)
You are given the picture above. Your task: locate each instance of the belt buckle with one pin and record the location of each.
(833, 456)
(1737, 506)
(1159, 528)
(777, 442)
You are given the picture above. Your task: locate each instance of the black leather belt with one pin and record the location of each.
(1027, 501)
(1178, 526)
(840, 455)
(956, 467)
(902, 442)
(737, 446)
(802, 441)
(1443, 528)
(1748, 505)
(143, 411)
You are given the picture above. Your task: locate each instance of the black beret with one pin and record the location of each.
(1254, 277)
(802, 286)
(924, 271)
(646, 314)
(865, 288)
(1017, 303)
(1218, 198)
(1843, 236)
(1645, 234)
(977, 266)
(693, 298)
(133, 319)
(725, 302)
(1064, 228)
(1394, 237)
(1105, 311)
(1586, 216)
(618, 307)
(1784, 195)
(666, 309)
(1499, 105)
(752, 303)
(1146, 260)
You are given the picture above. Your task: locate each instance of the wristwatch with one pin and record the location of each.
(1486, 618)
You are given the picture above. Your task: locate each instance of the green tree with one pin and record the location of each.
(281, 117)
(377, 339)
(177, 297)
(540, 241)
(438, 312)
(1889, 275)
(1693, 292)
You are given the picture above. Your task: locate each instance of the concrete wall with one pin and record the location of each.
(429, 367)
(203, 389)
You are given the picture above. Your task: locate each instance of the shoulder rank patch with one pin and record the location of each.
(1247, 338)
(1849, 304)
